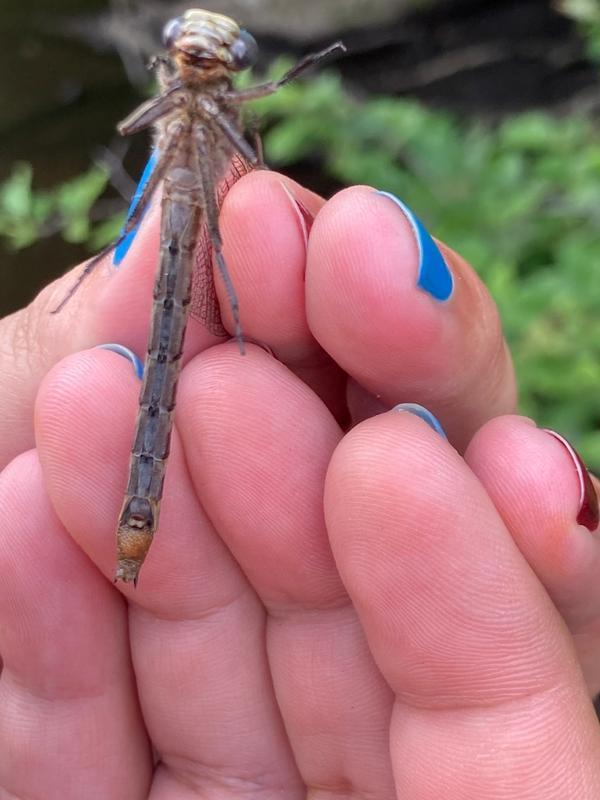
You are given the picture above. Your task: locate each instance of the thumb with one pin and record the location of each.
(106, 308)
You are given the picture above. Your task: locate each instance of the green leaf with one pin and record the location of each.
(16, 193)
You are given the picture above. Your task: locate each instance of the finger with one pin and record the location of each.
(405, 323)
(266, 221)
(521, 467)
(196, 628)
(258, 443)
(465, 635)
(265, 233)
(70, 723)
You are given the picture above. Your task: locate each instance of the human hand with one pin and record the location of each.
(376, 613)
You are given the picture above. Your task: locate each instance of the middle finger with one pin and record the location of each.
(258, 443)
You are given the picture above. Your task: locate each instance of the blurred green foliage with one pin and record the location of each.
(27, 215)
(586, 14)
(521, 201)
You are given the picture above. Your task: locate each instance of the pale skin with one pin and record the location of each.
(372, 614)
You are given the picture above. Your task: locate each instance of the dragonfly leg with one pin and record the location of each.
(132, 221)
(236, 138)
(149, 112)
(260, 151)
(212, 226)
(87, 270)
(254, 134)
(264, 89)
(231, 295)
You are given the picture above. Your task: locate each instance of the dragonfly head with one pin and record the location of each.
(211, 41)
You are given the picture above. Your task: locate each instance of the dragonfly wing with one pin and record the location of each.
(205, 304)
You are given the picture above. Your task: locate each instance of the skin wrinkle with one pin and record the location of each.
(9, 677)
(210, 612)
(344, 790)
(202, 778)
(288, 611)
(543, 693)
(14, 422)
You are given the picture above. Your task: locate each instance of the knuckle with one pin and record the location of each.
(27, 339)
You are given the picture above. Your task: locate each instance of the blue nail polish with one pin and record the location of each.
(422, 413)
(121, 350)
(434, 276)
(123, 248)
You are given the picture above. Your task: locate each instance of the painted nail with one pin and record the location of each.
(435, 277)
(138, 366)
(589, 512)
(422, 413)
(123, 248)
(303, 215)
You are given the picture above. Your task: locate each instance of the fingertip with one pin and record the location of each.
(258, 442)
(363, 256)
(395, 465)
(511, 454)
(264, 233)
(539, 489)
(82, 387)
(368, 307)
(261, 190)
(363, 303)
(84, 419)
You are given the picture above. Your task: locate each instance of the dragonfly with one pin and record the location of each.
(198, 135)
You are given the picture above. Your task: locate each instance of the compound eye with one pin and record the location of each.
(172, 32)
(244, 51)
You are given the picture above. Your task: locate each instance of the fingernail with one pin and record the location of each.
(262, 345)
(435, 277)
(123, 248)
(589, 512)
(303, 215)
(138, 366)
(422, 413)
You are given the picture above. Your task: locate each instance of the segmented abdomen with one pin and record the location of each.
(181, 209)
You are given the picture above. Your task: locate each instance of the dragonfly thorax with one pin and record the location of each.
(205, 39)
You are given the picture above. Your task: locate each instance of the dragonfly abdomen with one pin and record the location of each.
(181, 208)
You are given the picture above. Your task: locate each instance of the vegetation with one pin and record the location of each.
(586, 13)
(520, 200)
